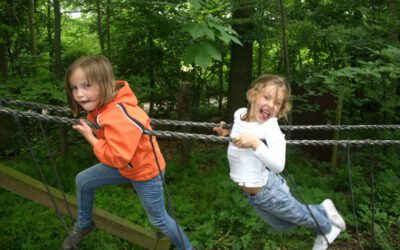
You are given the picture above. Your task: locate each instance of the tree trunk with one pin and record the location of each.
(57, 38)
(3, 60)
(32, 31)
(184, 114)
(151, 72)
(240, 74)
(108, 13)
(50, 37)
(260, 36)
(58, 69)
(221, 84)
(285, 47)
(394, 38)
(338, 119)
(152, 85)
(260, 58)
(393, 9)
(99, 25)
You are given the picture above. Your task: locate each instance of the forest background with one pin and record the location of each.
(341, 58)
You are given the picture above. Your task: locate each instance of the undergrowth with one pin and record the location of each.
(208, 205)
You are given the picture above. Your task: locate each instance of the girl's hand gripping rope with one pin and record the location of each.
(247, 140)
(86, 131)
(221, 130)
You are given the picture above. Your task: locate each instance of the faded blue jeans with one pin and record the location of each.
(150, 194)
(282, 211)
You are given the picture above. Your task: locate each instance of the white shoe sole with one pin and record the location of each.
(333, 215)
(320, 241)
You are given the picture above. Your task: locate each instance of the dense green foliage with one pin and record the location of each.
(349, 50)
(344, 68)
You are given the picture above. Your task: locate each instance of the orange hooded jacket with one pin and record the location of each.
(121, 143)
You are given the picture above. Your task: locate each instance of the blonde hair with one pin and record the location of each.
(98, 71)
(263, 81)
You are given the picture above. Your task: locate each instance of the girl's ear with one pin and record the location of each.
(251, 96)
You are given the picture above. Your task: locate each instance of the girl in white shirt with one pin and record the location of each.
(257, 156)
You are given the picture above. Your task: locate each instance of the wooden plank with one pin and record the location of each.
(35, 190)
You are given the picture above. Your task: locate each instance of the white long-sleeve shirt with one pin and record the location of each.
(249, 167)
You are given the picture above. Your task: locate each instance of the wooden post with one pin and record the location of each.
(64, 141)
(35, 190)
(7, 142)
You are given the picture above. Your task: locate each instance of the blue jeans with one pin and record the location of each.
(282, 211)
(150, 194)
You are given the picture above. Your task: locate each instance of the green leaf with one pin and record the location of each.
(231, 31)
(196, 4)
(235, 40)
(225, 36)
(228, 38)
(207, 31)
(195, 30)
(202, 53)
(211, 49)
(202, 60)
(190, 52)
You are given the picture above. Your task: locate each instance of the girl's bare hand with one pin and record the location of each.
(221, 131)
(246, 140)
(83, 128)
(86, 131)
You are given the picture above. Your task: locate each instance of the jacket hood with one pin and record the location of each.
(124, 95)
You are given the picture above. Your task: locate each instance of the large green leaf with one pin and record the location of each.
(195, 53)
(195, 29)
(211, 49)
(195, 4)
(198, 30)
(203, 60)
(202, 53)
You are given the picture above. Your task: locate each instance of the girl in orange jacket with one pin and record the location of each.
(126, 155)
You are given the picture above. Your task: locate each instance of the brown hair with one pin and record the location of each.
(260, 83)
(98, 71)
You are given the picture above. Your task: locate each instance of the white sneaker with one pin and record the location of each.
(333, 215)
(320, 241)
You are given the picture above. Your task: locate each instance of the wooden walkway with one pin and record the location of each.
(35, 190)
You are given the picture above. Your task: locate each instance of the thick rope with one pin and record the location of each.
(219, 139)
(34, 115)
(373, 237)
(200, 137)
(34, 105)
(328, 127)
(286, 174)
(51, 161)
(40, 170)
(169, 203)
(353, 202)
